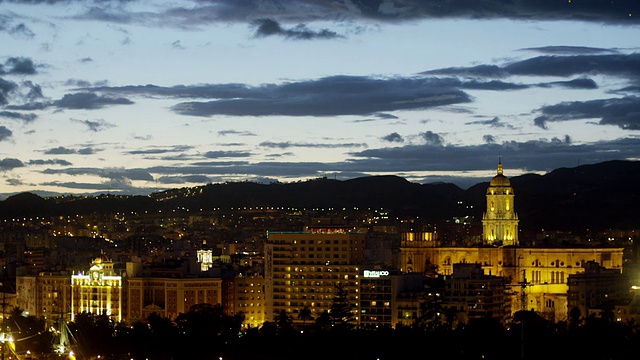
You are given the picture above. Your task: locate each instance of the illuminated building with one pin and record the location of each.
(98, 292)
(500, 221)
(596, 287)
(54, 296)
(537, 276)
(245, 293)
(205, 258)
(474, 295)
(381, 298)
(303, 268)
(167, 296)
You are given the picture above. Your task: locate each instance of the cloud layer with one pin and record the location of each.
(130, 137)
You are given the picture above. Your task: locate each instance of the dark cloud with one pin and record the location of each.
(177, 45)
(49, 162)
(616, 64)
(632, 89)
(495, 122)
(478, 71)
(113, 174)
(333, 96)
(297, 11)
(14, 182)
(617, 12)
(177, 148)
(22, 30)
(77, 83)
(25, 92)
(108, 13)
(9, 164)
(60, 150)
(88, 101)
(270, 27)
(624, 65)
(198, 179)
(6, 87)
(144, 138)
(432, 139)
(116, 185)
(533, 156)
(582, 83)
(489, 139)
(87, 151)
(223, 154)
(31, 91)
(491, 85)
(219, 163)
(289, 144)
(385, 116)
(393, 137)
(624, 112)
(27, 118)
(571, 50)
(95, 126)
(5, 133)
(18, 66)
(235, 132)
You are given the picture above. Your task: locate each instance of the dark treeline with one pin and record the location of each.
(206, 332)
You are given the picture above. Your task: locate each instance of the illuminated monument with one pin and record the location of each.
(536, 275)
(500, 221)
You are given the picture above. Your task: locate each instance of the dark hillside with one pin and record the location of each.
(599, 196)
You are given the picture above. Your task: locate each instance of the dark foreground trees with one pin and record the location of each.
(206, 332)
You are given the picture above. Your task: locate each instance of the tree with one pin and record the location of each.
(284, 322)
(340, 310)
(323, 322)
(23, 326)
(304, 315)
(432, 314)
(206, 328)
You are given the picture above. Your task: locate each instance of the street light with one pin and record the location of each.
(7, 340)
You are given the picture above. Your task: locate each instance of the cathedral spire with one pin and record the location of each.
(500, 165)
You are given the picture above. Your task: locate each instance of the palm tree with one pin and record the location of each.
(284, 322)
(304, 315)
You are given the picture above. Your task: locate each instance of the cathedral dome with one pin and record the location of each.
(499, 179)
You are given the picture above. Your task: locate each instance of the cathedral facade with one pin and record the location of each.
(537, 276)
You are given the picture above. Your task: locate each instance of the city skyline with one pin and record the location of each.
(130, 97)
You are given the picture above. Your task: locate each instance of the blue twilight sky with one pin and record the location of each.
(134, 96)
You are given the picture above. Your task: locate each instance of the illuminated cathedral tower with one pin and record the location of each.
(500, 221)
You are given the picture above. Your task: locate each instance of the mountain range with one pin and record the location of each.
(594, 197)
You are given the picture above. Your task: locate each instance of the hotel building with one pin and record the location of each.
(303, 268)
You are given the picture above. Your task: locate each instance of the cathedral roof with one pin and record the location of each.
(499, 179)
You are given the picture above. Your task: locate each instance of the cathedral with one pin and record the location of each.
(537, 276)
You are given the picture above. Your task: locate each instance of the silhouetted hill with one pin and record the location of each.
(597, 196)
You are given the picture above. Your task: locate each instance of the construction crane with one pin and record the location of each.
(523, 290)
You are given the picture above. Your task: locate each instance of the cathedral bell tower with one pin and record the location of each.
(500, 221)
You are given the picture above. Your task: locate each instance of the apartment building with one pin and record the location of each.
(303, 268)
(596, 288)
(472, 294)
